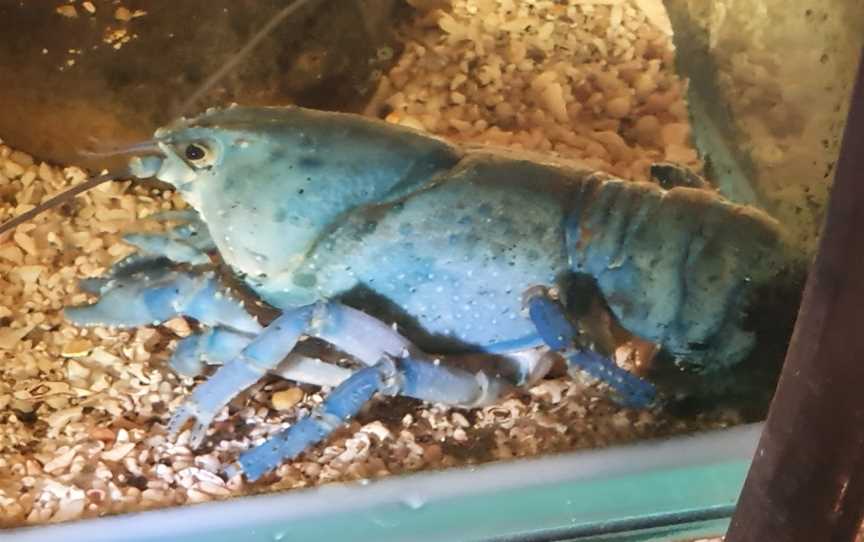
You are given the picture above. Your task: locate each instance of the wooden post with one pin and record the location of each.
(806, 482)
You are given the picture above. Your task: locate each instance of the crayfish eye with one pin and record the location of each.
(195, 152)
(198, 154)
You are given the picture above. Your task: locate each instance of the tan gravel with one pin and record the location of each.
(83, 411)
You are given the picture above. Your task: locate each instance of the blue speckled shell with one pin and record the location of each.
(443, 241)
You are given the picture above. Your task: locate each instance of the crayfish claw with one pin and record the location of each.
(559, 334)
(178, 420)
(199, 433)
(201, 421)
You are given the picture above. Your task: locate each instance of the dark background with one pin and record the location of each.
(324, 55)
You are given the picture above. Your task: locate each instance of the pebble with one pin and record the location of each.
(197, 496)
(218, 490)
(69, 509)
(286, 399)
(61, 461)
(123, 14)
(59, 419)
(118, 452)
(76, 371)
(67, 11)
(76, 348)
(618, 107)
(675, 134)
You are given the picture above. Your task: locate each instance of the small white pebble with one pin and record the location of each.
(69, 510)
(196, 496)
(57, 420)
(153, 495)
(213, 489)
(118, 452)
(62, 461)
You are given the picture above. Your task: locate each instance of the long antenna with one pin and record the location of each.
(56, 200)
(240, 55)
(148, 145)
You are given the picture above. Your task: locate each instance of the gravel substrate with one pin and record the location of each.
(83, 411)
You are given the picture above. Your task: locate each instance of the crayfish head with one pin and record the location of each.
(185, 156)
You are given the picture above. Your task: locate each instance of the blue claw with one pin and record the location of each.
(93, 285)
(411, 374)
(187, 359)
(210, 396)
(156, 295)
(163, 244)
(552, 324)
(418, 378)
(558, 332)
(214, 346)
(136, 300)
(262, 354)
(187, 243)
(438, 382)
(218, 346)
(343, 403)
(135, 264)
(399, 368)
(189, 216)
(634, 392)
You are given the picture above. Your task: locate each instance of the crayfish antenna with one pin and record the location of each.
(143, 147)
(150, 146)
(232, 62)
(57, 200)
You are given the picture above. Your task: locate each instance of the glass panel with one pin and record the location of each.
(659, 285)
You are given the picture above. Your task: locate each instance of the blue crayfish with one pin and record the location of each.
(450, 274)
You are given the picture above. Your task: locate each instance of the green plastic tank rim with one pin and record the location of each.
(661, 483)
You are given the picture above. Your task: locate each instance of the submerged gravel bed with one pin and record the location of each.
(83, 411)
